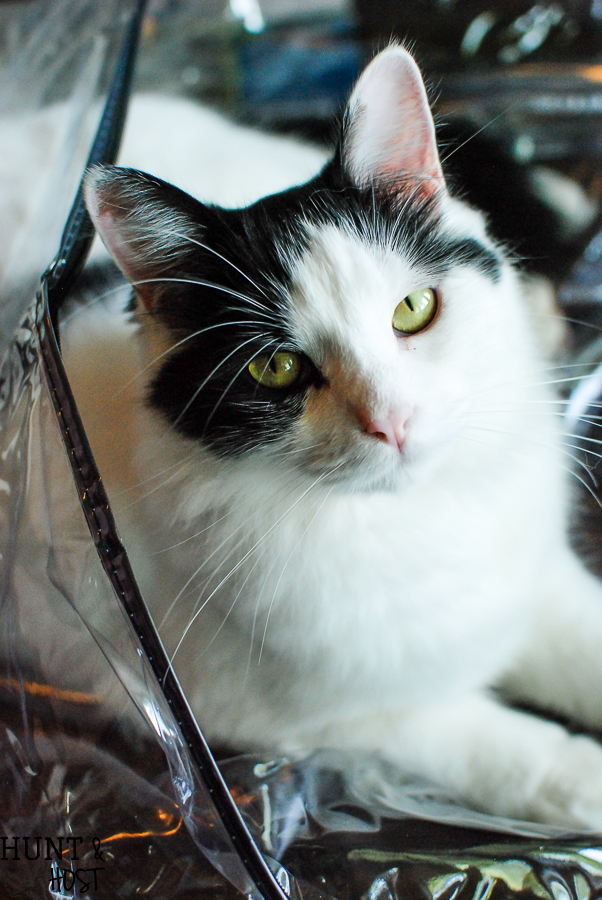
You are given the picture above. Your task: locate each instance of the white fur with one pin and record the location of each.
(376, 607)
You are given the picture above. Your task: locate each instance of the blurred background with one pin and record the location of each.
(525, 78)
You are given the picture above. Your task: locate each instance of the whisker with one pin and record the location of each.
(229, 537)
(520, 381)
(170, 349)
(80, 307)
(308, 447)
(573, 321)
(541, 444)
(506, 405)
(178, 469)
(242, 560)
(311, 521)
(572, 472)
(580, 437)
(223, 258)
(584, 483)
(592, 420)
(212, 373)
(238, 373)
(473, 136)
(138, 484)
(267, 313)
(255, 564)
(234, 602)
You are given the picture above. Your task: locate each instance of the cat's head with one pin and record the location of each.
(338, 326)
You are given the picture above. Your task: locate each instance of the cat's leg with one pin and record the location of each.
(496, 759)
(561, 669)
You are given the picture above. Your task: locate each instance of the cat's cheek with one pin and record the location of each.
(328, 442)
(324, 427)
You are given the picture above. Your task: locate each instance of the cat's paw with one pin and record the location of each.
(570, 793)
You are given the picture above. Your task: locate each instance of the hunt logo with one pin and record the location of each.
(66, 878)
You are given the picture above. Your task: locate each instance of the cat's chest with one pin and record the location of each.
(372, 595)
(368, 568)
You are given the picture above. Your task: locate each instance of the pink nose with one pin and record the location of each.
(391, 430)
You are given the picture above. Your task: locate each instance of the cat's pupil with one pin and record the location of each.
(410, 304)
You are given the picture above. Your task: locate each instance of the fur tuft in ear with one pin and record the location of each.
(140, 225)
(389, 138)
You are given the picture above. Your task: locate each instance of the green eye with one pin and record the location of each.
(415, 312)
(278, 370)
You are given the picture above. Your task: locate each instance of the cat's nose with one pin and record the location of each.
(392, 430)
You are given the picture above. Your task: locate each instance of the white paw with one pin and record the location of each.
(570, 792)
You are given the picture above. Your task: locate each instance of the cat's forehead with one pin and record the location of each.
(356, 268)
(344, 287)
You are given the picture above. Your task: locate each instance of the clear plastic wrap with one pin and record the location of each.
(90, 803)
(54, 72)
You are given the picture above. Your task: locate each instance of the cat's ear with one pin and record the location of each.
(389, 138)
(143, 223)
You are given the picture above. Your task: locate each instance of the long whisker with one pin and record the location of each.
(171, 349)
(229, 512)
(308, 447)
(310, 523)
(231, 382)
(242, 560)
(540, 443)
(588, 487)
(473, 136)
(223, 258)
(573, 321)
(195, 535)
(212, 373)
(580, 437)
(179, 468)
(511, 404)
(572, 472)
(80, 307)
(229, 537)
(592, 420)
(144, 481)
(505, 405)
(520, 381)
(234, 602)
(249, 574)
(210, 284)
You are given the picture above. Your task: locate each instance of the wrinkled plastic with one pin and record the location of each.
(59, 649)
(57, 644)
(90, 804)
(63, 57)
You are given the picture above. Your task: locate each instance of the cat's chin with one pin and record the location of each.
(392, 479)
(387, 472)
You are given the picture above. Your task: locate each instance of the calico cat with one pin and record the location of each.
(336, 455)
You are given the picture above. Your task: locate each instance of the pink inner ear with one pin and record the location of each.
(112, 231)
(108, 227)
(392, 133)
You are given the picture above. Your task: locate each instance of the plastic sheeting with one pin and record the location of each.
(89, 805)
(56, 601)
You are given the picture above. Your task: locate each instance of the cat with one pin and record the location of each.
(336, 455)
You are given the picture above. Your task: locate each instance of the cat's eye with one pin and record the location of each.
(276, 370)
(415, 311)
